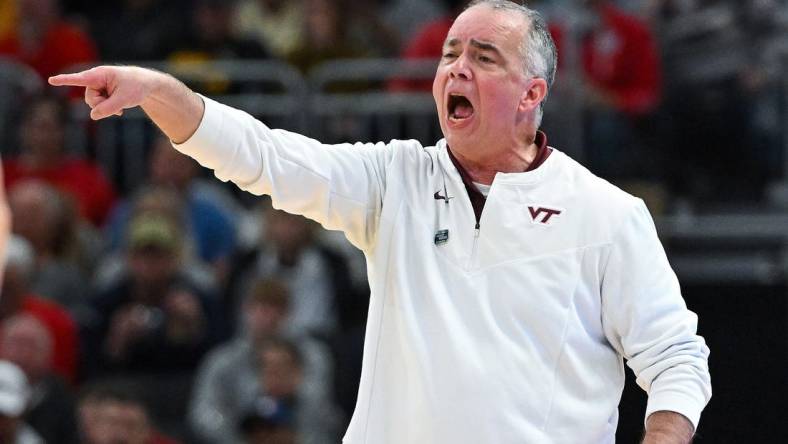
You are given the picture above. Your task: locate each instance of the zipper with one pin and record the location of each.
(475, 243)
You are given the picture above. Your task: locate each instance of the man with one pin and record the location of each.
(112, 412)
(17, 298)
(152, 318)
(26, 342)
(230, 378)
(43, 156)
(492, 319)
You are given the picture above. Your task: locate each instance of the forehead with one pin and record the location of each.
(503, 28)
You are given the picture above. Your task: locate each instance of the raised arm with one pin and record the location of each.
(339, 186)
(109, 90)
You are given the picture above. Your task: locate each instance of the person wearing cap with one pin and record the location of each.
(14, 398)
(151, 317)
(508, 283)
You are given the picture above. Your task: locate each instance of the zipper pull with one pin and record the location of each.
(478, 227)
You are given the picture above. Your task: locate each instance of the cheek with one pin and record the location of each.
(437, 87)
(499, 104)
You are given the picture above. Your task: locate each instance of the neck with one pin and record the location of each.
(513, 160)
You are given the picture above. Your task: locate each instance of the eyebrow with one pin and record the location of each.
(484, 46)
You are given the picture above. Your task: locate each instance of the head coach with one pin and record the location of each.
(509, 284)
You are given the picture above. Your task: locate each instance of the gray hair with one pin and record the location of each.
(540, 56)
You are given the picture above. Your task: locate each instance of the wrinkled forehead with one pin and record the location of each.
(502, 28)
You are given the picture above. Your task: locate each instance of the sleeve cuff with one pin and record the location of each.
(206, 144)
(675, 402)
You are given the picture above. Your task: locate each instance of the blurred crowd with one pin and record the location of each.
(177, 312)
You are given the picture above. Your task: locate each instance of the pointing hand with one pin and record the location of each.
(109, 89)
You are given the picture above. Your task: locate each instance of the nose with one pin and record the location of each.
(460, 69)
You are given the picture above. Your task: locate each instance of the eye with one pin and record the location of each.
(485, 59)
(449, 55)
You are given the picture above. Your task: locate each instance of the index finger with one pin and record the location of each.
(88, 78)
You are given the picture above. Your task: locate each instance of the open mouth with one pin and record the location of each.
(460, 107)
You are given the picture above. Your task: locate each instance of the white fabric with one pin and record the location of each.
(511, 333)
(484, 189)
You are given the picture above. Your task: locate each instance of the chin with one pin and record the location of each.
(459, 143)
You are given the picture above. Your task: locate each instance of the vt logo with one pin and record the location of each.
(543, 215)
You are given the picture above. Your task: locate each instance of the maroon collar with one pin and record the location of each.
(542, 151)
(477, 198)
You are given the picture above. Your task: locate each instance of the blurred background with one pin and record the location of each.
(147, 302)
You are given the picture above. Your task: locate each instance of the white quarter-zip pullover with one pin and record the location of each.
(510, 330)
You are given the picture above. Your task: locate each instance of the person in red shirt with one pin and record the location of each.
(43, 157)
(16, 299)
(623, 89)
(621, 74)
(45, 41)
(621, 60)
(427, 44)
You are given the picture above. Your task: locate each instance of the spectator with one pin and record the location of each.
(139, 29)
(282, 402)
(112, 412)
(288, 253)
(427, 43)
(151, 318)
(43, 156)
(623, 88)
(210, 227)
(366, 24)
(621, 61)
(45, 41)
(408, 16)
(46, 219)
(210, 36)
(17, 299)
(227, 381)
(276, 24)
(715, 73)
(325, 36)
(26, 342)
(14, 397)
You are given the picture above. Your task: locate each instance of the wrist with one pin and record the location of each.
(666, 427)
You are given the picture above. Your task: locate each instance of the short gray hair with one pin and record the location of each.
(540, 56)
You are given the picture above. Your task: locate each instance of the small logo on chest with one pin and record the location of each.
(543, 215)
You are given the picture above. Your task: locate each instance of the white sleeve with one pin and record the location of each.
(646, 320)
(339, 186)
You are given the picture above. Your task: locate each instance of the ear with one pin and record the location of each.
(534, 94)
